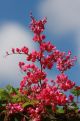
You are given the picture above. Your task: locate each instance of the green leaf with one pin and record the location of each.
(10, 89)
(15, 119)
(60, 110)
(26, 104)
(4, 95)
(75, 92)
(29, 103)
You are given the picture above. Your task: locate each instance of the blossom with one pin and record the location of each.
(64, 83)
(14, 108)
(35, 84)
(36, 112)
(24, 50)
(34, 55)
(47, 46)
(38, 38)
(37, 26)
(65, 62)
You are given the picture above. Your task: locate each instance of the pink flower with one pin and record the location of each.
(14, 108)
(65, 62)
(37, 26)
(64, 83)
(24, 50)
(35, 85)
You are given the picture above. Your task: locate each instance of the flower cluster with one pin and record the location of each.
(35, 113)
(35, 84)
(65, 62)
(34, 56)
(33, 75)
(37, 28)
(22, 50)
(50, 95)
(47, 46)
(14, 108)
(64, 83)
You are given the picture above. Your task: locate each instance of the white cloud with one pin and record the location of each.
(62, 15)
(12, 35)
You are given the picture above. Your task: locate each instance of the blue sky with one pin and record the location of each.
(62, 29)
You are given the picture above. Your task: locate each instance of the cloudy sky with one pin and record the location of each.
(62, 29)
